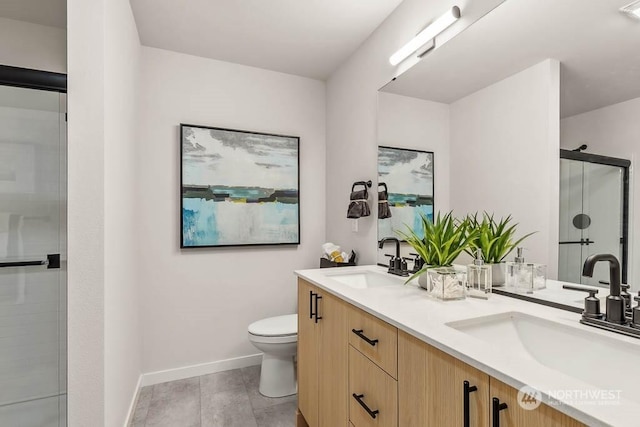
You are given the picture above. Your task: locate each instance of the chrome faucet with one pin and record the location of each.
(615, 303)
(397, 265)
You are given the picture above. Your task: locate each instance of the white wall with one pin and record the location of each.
(196, 304)
(33, 46)
(418, 124)
(352, 106)
(122, 360)
(86, 29)
(104, 339)
(504, 156)
(612, 131)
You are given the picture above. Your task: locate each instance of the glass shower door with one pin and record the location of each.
(591, 218)
(32, 242)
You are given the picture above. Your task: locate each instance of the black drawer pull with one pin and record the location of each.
(359, 333)
(468, 389)
(497, 407)
(358, 397)
(311, 294)
(316, 313)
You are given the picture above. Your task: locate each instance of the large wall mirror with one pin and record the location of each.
(533, 112)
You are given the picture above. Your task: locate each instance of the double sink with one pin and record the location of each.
(592, 357)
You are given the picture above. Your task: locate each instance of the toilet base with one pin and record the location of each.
(277, 376)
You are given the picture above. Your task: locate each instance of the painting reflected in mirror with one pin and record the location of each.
(405, 189)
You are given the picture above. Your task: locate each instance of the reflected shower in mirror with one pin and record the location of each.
(406, 176)
(594, 213)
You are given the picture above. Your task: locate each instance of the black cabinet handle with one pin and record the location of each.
(468, 389)
(316, 313)
(497, 407)
(372, 414)
(311, 294)
(359, 333)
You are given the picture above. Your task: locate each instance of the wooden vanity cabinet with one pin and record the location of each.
(410, 383)
(435, 389)
(322, 358)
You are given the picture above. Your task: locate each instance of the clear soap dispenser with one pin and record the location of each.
(479, 278)
(518, 274)
(525, 277)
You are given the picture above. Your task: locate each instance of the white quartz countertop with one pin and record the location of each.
(409, 308)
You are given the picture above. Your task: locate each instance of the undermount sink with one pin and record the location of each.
(366, 279)
(596, 359)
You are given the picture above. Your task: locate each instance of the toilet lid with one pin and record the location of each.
(275, 326)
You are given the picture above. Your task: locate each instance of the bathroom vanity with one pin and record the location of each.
(375, 352)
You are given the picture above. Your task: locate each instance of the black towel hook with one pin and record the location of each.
(382, 184)
(367, 184)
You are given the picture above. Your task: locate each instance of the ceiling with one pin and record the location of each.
(309, 38)
(50, 12)
(596, 45)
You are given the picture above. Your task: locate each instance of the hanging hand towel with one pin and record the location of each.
(384, 211)
(359, 205)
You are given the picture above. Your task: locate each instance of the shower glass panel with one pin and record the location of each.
(33, 354)
(591, 218)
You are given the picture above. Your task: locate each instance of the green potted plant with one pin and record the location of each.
(495, 239)
(444, 240)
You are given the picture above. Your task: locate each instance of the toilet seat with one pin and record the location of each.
(275, 330)
(279, 326)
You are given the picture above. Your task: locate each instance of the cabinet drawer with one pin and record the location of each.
(375, 339)
(372, 393)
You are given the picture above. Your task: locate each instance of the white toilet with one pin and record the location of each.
(277, 338)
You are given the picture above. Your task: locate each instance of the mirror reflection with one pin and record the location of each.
(405, 189)
(540, 123)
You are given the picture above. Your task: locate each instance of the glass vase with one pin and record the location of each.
(446, 283)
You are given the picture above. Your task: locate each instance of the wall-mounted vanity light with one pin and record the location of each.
(435, 28)
(632, 9)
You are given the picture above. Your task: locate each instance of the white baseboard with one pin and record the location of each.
(158, 377)
(134, 402)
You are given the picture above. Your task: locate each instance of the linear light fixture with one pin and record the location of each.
(632, 9)
(435, 28)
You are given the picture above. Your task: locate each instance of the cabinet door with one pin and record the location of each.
(333, 357)
(412, 381)
(307, 354)
(516, 416)
(448, 405)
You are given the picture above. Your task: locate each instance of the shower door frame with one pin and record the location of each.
(625, 165)
(39, 80)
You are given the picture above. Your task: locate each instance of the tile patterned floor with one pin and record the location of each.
(223, 399)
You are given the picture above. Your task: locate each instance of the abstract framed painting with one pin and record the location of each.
(408, 175)
(238, 188)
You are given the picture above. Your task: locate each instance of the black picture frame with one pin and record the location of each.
(227, 198)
